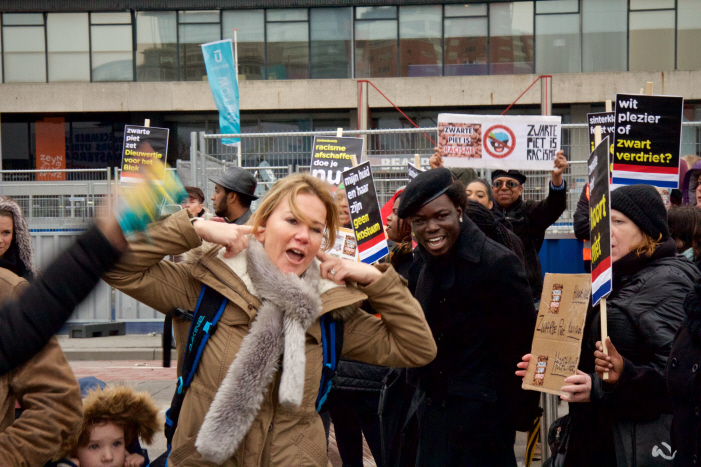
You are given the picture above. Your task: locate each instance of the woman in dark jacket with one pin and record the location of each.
(622, 423)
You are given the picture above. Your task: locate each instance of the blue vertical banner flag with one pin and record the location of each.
(223, 81)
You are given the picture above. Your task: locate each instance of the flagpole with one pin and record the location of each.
(236, 61)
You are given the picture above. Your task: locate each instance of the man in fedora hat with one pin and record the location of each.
(530, 219)
(234, 190)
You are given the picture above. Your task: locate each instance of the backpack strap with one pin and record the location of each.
(332, 343)
(210, 307)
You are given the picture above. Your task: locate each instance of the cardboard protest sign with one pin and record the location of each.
(365, 213)
(647, 142)
(413, 171)
(345, 246)
(332, 155)
(143, 145)
(607, 122)
(499, 142)
(600, 221)
(558, 333)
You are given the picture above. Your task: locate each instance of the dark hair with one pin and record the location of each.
(243, 199)
(487, 223)
(487, 187)
(685, 225)
(456, 193)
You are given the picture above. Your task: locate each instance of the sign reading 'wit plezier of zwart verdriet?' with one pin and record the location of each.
(143, 145)
(499, 142)
(600, 221)
(647, 142)
(365, 213)
(334, 154)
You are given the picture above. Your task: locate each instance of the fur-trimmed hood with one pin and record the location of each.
(122, 405)
(22, 237)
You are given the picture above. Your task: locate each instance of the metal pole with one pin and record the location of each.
(202, 183)
(193, 158)
(363, 115)
(546, 95)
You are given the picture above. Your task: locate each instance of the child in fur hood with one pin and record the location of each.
(113, 418)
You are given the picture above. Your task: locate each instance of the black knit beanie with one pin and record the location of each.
(644, 206)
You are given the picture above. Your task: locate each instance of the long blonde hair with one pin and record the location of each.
(292, 186)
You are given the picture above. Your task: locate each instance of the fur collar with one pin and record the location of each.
(290, 304)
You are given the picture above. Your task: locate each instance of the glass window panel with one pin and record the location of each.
(420, 48)
(250, 29)
(557, 6)
(650, 4)
(651, 41)
(111, 53)
(604, 35)
(688, 35)
(25, 56)
(331, 34)
(479, 9)
(69, 45)
(156, 46)
(557, 44)
(288, 50)
(0, 55)
(375, 12)
(110, 18)
(192, 36)
(199, 16)
(465, 46)
(287, 14)
(23, 18)
(376, 49)
(511, 34)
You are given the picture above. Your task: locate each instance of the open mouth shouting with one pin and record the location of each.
(435, 243)
(295, 256)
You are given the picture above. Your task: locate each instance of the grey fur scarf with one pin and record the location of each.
(290, 305)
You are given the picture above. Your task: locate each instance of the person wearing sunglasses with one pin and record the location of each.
(530, 219)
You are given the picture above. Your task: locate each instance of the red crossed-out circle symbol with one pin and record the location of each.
(494, 146)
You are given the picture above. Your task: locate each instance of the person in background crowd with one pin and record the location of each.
(691, 188)
(342, 204)
(252, 399)
(193, 203)
(645, 310)
(234, 191)
(399, 231)
(530, 219)
(44, 387)
(581, 226)
(462, 174)
(685, 229)
(477, 302)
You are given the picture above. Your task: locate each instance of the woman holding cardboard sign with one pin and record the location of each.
(620, 424)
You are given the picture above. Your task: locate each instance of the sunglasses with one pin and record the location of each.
(511, 184)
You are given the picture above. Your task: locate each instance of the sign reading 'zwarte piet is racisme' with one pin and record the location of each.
(365, 213)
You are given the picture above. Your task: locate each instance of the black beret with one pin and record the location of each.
(644, 206)
(423, 189)
(515, 174)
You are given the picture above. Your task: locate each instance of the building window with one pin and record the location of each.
(68, 42)
(250, 29)
(466, 40)
(688, 35)
(511, 38)
(376, 42)
(287, 34)
(156, 46)
(111, 47)
(331, 35)
(420, 48)
(194, 29)
(604, 35)
(651, 41)
(24, 58)
(557, 37)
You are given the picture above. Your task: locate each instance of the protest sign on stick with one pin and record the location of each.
(332, 155)
(499, 142)
(647, 140)
(345, 246)
(413, 171)
(557, 341)
(142, 145)
(365, 213)
(600, 221)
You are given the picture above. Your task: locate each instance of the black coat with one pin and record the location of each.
(479, 307)
(530, 220)
(580, 219)
(26, 325)
(645, 311)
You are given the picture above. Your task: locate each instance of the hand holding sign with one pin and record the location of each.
(578, 388)
(560, 165)
(611, 363)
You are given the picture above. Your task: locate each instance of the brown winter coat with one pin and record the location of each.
(279, 436)
(47, 391)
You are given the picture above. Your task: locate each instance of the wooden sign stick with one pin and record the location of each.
(648, 88)
(602, 302)
(417, 161)
(147, 122)
(609, 106)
